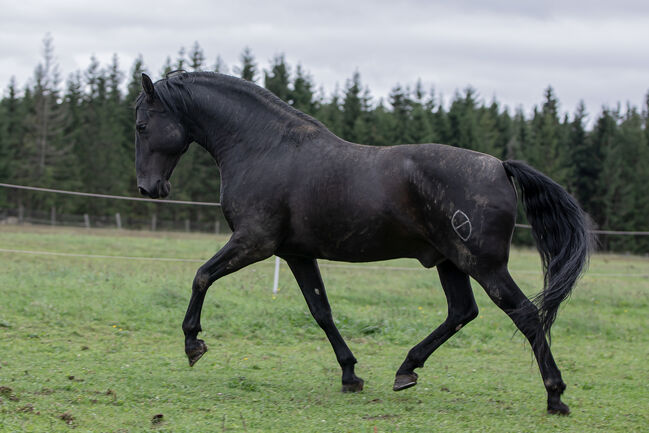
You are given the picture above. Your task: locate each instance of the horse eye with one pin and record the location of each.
(140, 127)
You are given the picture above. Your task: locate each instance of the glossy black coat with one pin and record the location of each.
(289, 187)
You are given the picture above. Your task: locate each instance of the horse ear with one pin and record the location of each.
(147, 85)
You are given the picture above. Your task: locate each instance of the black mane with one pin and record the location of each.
(176, 90)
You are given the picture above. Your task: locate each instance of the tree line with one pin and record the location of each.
(78, 135)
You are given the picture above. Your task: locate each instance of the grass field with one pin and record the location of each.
(95, 344)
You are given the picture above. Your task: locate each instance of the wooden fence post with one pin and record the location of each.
(118, 220)
(154, 222)
(86, 220)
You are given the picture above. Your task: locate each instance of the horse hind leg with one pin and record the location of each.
(505, 293)
(461, 310)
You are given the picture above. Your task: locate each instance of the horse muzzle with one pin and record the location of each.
(160, 189)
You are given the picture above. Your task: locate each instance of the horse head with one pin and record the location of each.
(160, 140)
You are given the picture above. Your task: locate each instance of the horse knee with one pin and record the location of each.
(201, 281)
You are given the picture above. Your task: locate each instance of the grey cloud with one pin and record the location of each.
(594, 51)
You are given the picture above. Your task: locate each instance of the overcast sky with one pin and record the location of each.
(594, 50)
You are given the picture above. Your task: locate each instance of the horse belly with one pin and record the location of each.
(359, 210)
(371, 238)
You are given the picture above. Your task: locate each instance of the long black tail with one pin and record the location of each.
(561, 231)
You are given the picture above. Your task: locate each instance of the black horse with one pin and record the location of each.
(291, 188)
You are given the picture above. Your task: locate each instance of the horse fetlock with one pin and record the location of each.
(191, 330)
(555, 386)
(347, 363)
(413, 360)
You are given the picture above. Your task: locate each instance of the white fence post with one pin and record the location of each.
(118, 220)
(86, 220)
(276, 278)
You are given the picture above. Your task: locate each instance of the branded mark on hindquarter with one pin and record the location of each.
(461, 224)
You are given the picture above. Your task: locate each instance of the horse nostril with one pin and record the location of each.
(142, 190)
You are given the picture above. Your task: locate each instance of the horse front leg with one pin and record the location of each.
(240, 251)
(308, 277)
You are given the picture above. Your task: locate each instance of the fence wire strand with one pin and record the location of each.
(205, 203)
(114, 197)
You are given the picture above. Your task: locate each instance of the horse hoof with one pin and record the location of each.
(355, 386)
(195, 351)
(404, 381)
(558, 409)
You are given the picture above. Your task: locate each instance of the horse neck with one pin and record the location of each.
(235, 125)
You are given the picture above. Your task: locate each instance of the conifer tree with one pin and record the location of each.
(463, 120)
(248, 68)
(220, 66)
(546, 152)
(642, 180)
(352, 106)
(10, 132)
(47, 116)
(505, 130)
(302, 94)
(181, 60)
(419, 128)
(277, 80)
(196, 57)
(399, 99)
(362, 130)
(166, 67)
(382, 126)
(440, 122)
(70, 169)
(621, 165)
(331, 114)
(602, 140)
(585, 161)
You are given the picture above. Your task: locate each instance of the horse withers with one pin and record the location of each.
(291, 188)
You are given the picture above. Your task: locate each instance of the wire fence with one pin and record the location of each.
(11, 216)
(17, 216)
(113, 197)
(22, 216)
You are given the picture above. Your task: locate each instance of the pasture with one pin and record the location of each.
(95, 344)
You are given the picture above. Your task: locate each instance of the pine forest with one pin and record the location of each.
(77, 133)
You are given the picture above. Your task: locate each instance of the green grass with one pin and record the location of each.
(96, 345)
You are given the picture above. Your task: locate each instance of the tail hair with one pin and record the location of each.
(563, 235)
